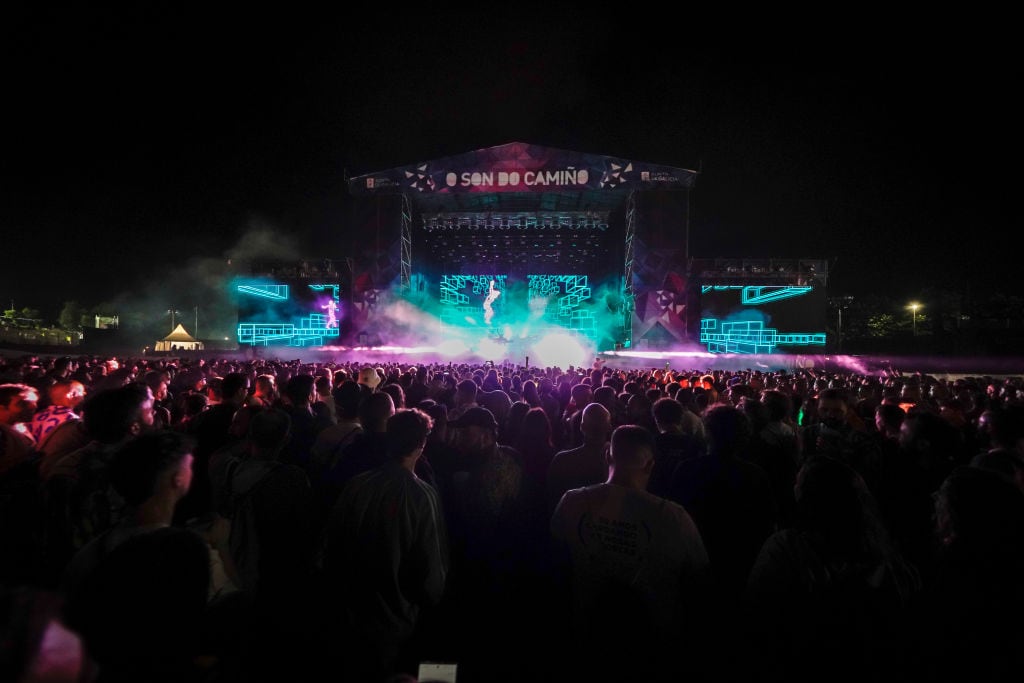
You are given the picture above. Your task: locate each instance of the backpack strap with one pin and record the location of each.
(232, 497)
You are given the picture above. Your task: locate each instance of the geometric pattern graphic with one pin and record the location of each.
(615, 175)
(453, 287)
(419, 179)
(757, 295)
(568, 313)
(751, 336)
(309, 330)
(272, 292)
(659, 309)
(458, 308)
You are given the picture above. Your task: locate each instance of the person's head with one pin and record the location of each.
(397, 394)
(1007, 464)
(265, 386)
(67, 393)
(536, 428)
(157, 463)
(498, 402)
(1006, 427)
(195, 404)
(438, 412)
(979, 513)
(235, 387)
(910, 393)
(17, 403)
(475, 432)
(778, 405)
(346, 399)
(157, 383)
(668, 414)
(755, 412)
(530, 394)
(301, 390)
(514, 422)
(607, 396)
(889, 419)
(631, 456)
(368, 376)
(375, 410)
(929, 436)
(834, 504)
(728, 430)
(215, 389)
(269, 431)
(114, 414)
(465, 392)
(595, 424)
(832, 408)
(581, 395)
(407, 432)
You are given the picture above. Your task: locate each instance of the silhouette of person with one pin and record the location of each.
(492, 296)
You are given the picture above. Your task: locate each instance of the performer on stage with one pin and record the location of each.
(331, 306)
(492, 295)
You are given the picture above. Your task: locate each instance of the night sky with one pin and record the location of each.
(137, 143)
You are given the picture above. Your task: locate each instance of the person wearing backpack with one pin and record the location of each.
(268, 504)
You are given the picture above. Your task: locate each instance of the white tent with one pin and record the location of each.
(179, 340)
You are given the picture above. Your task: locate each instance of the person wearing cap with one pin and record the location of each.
(488, 485)
(489, 528)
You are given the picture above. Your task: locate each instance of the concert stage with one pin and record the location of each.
(520, 251)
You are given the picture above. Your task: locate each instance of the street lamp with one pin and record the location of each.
(913, 307)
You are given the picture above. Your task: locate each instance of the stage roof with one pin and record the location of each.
(518, 177)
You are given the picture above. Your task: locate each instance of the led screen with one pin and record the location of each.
(292, 313)
(762, 319)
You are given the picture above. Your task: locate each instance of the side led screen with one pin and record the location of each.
(287, 313)
(762, 319)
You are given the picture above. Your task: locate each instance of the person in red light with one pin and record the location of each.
(56, 429)
(17, 405)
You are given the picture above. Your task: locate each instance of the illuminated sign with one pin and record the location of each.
(561, 177)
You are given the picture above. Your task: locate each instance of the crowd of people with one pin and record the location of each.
(224, 520)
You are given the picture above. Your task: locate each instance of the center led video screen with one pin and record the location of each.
(507, 305)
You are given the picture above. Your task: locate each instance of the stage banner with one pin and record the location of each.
(660, 281)
(375, 268)
(521, 167)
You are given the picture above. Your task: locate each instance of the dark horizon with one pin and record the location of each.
(145, 143)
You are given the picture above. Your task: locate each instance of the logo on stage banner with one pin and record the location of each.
(519, 167)
(565, 177)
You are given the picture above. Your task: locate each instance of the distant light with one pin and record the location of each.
(561, 350)
(490, 349)
(452, 347)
